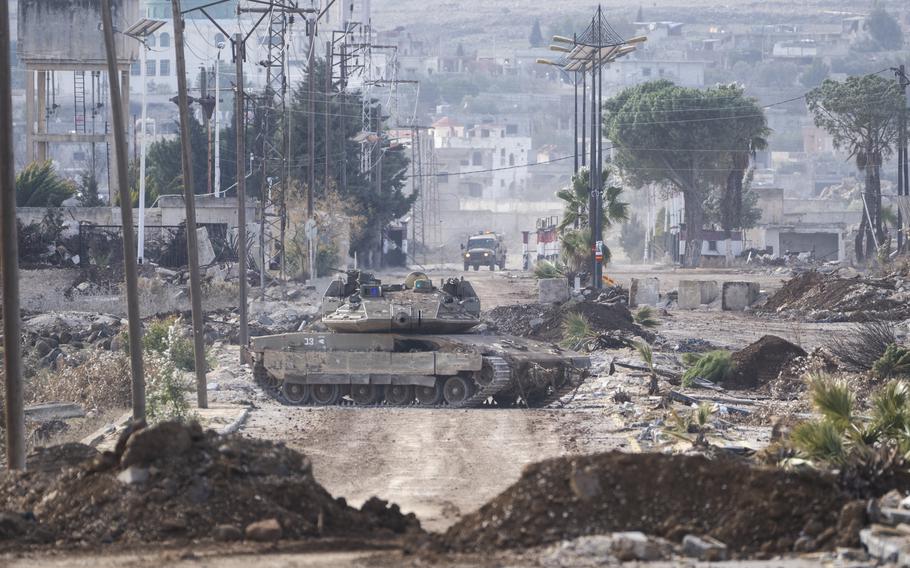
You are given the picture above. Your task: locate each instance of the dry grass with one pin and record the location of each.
(100, 383)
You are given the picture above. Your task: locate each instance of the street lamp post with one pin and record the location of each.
(587, 53)
(140, 31)
(217, 127)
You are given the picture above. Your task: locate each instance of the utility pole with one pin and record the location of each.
(240, 127)
(328, 92)
(217, 119)
(126, 217)
(189, 200)
(9, 261)
(903, 177)
(206, 124)
(311, 119)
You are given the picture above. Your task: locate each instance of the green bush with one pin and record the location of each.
(894, 363)
(165, 396)
(155, 338)
(714, 366)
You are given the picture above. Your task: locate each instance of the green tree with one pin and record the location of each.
(575, 228)
(375, 197)
(89, 195)
(813, 75)
(884, 29)
(39, 185)
(861, 116)
(164, 169)
(536, 38)
(694, 141)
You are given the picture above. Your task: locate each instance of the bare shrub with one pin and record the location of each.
(100, 383)
(863, 344)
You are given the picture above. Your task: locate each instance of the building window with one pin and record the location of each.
(135, 69)
(484, 133)
(477, 159)
(712, 246)
(150, 41)
(646, 72)
(164, 39)
(150, 68)
(511, 129)
(502, 153)
(164, 67)
(511, 159)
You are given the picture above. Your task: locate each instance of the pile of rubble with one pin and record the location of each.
(544, 322)
(746, 508)
(761, 362)
(54, 335)
(176, 482)
(833, 298)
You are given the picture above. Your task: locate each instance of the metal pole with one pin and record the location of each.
(142, 149)
(592, 174)
(207, 126)
(126, 217)
(217, 126)
(575, 123)
(9, 260)
(584, 116)
(189, 200)
(326, 108)
(311, 119)
(240, 127)
(598, 195)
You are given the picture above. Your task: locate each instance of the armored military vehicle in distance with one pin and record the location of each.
(409, 343)
(484, 249)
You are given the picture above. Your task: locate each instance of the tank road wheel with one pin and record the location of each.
(325, 395)
(457, 389)
(399, 395)
(295, 393)
(366, 395)
(429, 396)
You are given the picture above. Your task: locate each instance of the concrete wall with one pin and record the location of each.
(67, 30)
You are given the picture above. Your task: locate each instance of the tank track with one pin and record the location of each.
(576, 378)
(501, 381)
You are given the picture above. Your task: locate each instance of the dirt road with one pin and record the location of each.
(437, 463)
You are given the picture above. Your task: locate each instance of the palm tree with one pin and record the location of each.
(577, 198)
(39, 185)
(575, 230)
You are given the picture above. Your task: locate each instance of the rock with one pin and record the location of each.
(84, 286)
(628, 546)
(536, 323)
(133, 475)
(159, 442)
(43, 347)
(885, 544)
(268, 530)
(226, 533)
(704, 548)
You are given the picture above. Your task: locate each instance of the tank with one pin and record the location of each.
(411, 343)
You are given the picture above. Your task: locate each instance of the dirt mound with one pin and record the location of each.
(176, 482)
(761, 362)
(751, 509)
(544, 321)
(831, 298)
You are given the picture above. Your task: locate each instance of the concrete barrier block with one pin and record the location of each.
(644, 292)
(694, 293)
(552, 290)
(737, 296)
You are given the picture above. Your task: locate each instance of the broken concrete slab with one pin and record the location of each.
(886, 544)
(704, 548)
(695, 293)
(54, 411)
(133, 475)
(552, 290)
(644, 292)
(627, 546)
(738, 296)
(204, 246)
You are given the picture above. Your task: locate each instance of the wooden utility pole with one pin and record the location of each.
(240, 127)
(9, 261)
(126, 216)
(327, 109)
(189, 200)
(311, 120)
